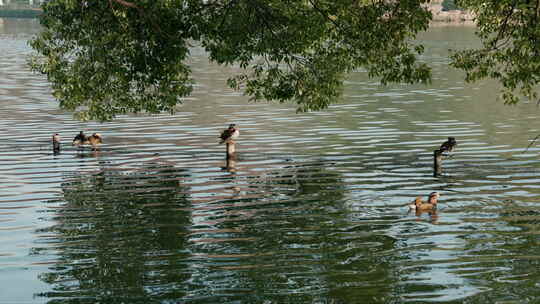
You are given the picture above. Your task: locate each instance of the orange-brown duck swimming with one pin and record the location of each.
(81, 139)
(421, 205)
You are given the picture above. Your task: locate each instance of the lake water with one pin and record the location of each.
(314, 211)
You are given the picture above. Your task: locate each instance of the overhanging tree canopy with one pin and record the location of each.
(510, 34)
(112, 57)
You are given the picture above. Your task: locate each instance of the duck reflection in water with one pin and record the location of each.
(230, 166)
(433, 216)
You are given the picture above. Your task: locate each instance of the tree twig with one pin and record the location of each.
(532, 143)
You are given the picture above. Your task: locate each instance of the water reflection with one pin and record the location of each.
(158, 234)
(432, 215)
(120, 236)
(15, 26)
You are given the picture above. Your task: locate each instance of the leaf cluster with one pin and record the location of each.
(106, 58)
(510, 35)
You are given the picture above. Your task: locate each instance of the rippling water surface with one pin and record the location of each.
(314, 210)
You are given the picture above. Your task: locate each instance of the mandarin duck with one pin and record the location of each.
(81, 139)
(421, 205)
(449, 145)
(229, 134)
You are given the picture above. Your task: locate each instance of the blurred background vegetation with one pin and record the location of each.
(29, 8)
(20, 8)
(448, 5)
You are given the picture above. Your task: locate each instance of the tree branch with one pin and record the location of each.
(141, 13)
(324, 14)
(126, 4)
(228, 6)
(504, 25)
(532, 143)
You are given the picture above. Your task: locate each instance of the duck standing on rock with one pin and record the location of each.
(229, 134)
(421, 205)
(449, 145)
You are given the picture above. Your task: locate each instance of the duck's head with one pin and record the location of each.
(98, 137)
(452, 140)
(433, 197)
(232, 126)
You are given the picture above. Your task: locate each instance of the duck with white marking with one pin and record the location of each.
(421, 205)
(229, 134)
(449, 145)
(81, 139)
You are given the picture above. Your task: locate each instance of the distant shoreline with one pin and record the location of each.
(20, 13)
(453, 17)
(440, 17)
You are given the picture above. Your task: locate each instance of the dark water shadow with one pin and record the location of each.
(119, 236)
(156, 234)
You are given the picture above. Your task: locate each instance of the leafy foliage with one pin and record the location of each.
(106, 58)
(510, 34)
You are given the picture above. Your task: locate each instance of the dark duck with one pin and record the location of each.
(56, 142)
(229, 134)
(449, 145)
(81, 139)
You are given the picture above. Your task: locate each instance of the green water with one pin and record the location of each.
(314, 210)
